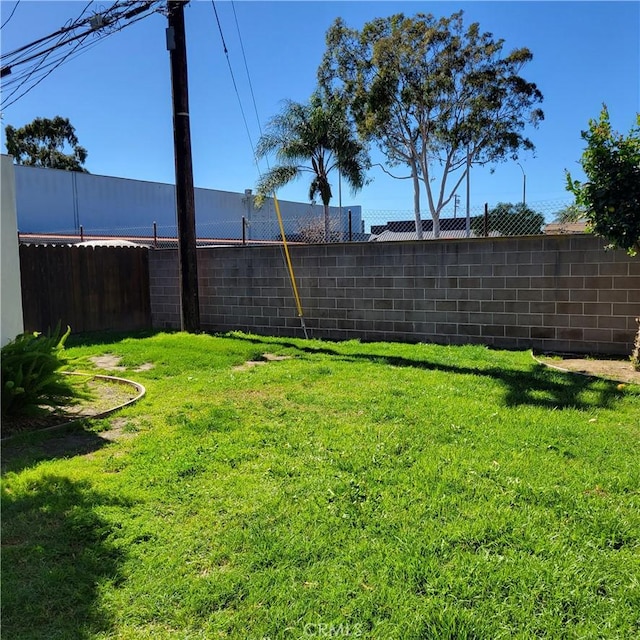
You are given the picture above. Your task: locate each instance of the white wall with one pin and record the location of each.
(55, 201)
(11, 311)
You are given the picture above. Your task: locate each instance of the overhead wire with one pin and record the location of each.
(39, 65)
(4, 24)
(89, 3)
(233, 79)
(246, 67)
(13, 78)
(108, 17)
(65, 58)
(6, 104)
(284, 247)
(114, 24)
(69, 26)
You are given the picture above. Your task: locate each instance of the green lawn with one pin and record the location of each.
(350, 490)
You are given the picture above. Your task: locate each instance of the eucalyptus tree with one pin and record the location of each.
(46, 142)
(435, 95)
(315, 138)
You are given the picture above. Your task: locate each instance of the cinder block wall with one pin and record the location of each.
(556, 293)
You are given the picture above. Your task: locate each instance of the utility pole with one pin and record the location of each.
(185, 198)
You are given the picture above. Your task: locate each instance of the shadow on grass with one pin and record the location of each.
(95, 338)
(536, 386)
(55, 554)
(25, 450)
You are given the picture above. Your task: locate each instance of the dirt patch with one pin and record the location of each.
(117, 430)
(617, 370)
(109, 362)
(266, 357)
(105, 395)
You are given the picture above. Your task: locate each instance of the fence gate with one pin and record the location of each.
(87, 288)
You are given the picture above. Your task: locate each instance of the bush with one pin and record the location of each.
(31, 376)
(611, 195)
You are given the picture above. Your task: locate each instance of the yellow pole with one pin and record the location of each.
(290, 265)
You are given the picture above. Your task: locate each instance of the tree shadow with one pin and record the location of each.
(56, 552)
(25, 450)
(538, 385)
(97, 338)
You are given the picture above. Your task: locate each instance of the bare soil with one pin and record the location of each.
(109, 362)
(267, 357)
(105, 395)
(618, 370)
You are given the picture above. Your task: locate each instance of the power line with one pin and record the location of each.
(13, 78)
(284, 251)
(44, 54)
(246, 67)
(110, 21)
(35, 84)
(38, 66)
(68, 27)
(104, 20)
(59, 62)
(233, 79)
(4, 24)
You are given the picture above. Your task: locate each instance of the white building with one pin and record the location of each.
(60, 202)
(11, 320)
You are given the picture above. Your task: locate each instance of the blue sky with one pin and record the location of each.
(118, 95)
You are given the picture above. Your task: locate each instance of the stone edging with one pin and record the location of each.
(557, 368)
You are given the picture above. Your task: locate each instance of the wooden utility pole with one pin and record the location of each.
(185, 199)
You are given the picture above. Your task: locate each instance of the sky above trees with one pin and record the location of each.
(117, 93)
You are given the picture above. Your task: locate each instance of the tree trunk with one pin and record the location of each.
(436, 225)
(416, 202)
(327, 223)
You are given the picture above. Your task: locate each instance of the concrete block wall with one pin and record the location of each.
(555, 293)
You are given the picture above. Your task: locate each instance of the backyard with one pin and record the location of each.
(269, 488)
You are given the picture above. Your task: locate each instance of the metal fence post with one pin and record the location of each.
(350, 228)
(155, 235)
(486, 220)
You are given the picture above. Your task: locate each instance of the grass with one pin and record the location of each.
(352, 490)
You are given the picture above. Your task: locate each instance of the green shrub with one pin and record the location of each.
(31, 376)
(611, 194)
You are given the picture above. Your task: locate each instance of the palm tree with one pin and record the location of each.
(315, 138)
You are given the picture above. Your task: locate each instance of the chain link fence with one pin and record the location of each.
(488, 220)
(500, 219)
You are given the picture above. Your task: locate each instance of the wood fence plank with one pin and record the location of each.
(87, 288)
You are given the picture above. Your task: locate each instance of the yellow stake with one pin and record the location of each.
(289, 265)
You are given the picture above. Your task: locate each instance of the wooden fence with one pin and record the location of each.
(87, 288)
